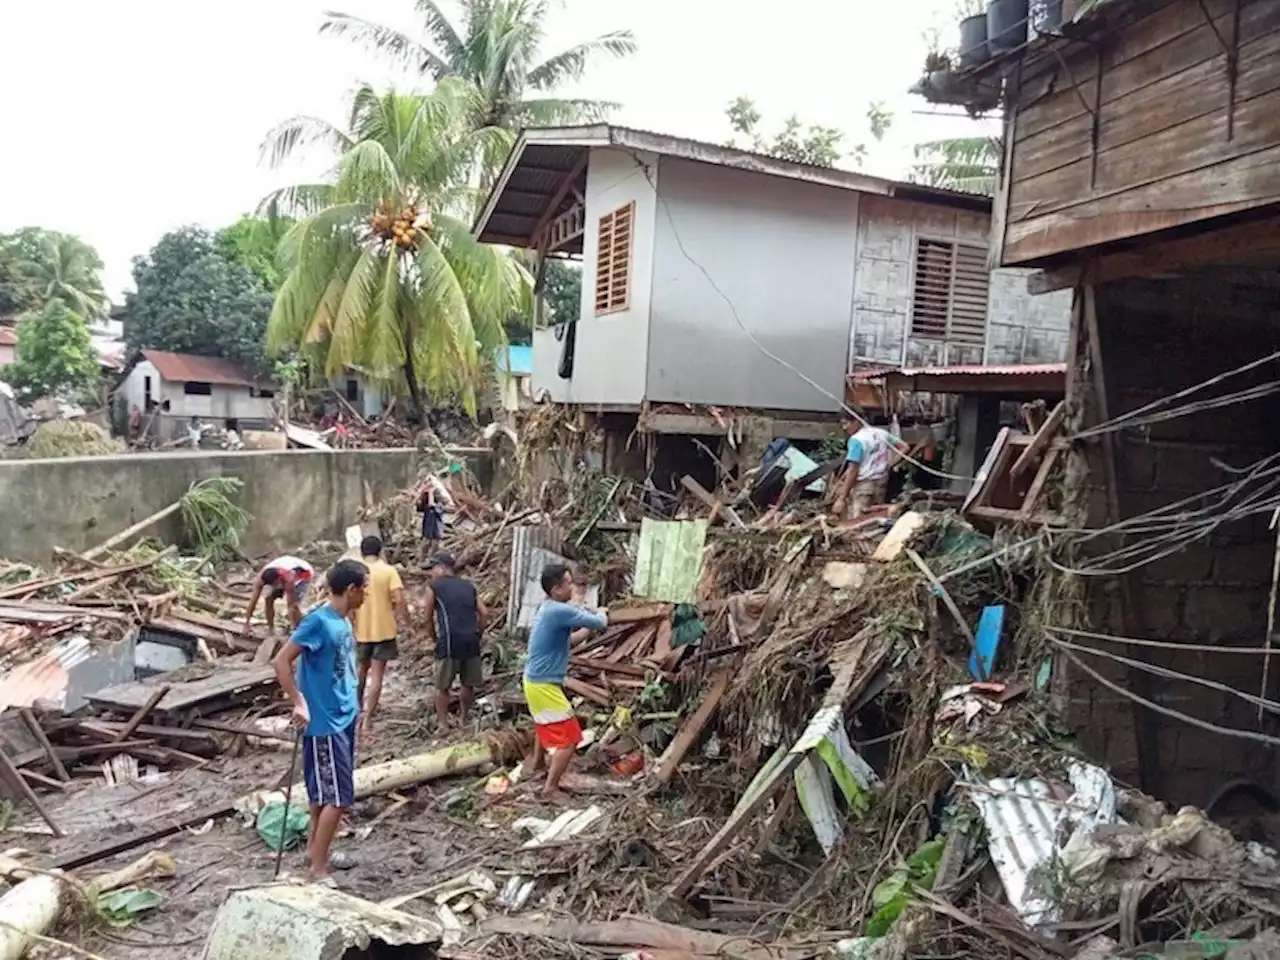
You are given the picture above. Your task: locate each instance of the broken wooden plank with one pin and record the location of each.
(227, 682)
(947, 601)
(1040, 442)
(692, 728)
(604, 666)
(240, 728)
(73, 754)
(699, 491)
(18, 787)
(81, 857)
(40, 780)
(604, 638)
(106, 731)
(649, 611)
(136, 720)
(584, 689)
(662, 643)
(37, 731)
(631, 647)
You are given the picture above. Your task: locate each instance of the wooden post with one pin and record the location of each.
(1145, 735)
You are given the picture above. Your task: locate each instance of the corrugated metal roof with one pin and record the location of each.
(540, 159)
(188, 367)
(1000, 370)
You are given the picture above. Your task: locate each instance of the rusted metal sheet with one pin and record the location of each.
(187, 367)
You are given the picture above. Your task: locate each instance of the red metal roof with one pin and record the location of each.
(188, 367)
(1006, 370)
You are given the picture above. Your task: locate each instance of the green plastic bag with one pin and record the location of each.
(293, 821)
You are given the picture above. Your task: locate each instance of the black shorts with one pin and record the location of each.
(299, 591)
(381, 651)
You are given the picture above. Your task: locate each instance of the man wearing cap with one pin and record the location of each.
(458, 618)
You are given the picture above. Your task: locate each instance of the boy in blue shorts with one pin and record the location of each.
(325, 706)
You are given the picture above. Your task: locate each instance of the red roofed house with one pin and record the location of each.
(180, 386)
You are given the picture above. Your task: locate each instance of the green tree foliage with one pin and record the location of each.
(798, 142)
(970, 164)
(191, 298)
(380, 273)
(562, 293)
(54, 265)
(563, 282)
(252, 242)
(495, 47)
(17, 290)
(55, 354)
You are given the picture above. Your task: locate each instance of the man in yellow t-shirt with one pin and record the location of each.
(376, 628)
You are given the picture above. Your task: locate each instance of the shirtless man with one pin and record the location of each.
(287, 577)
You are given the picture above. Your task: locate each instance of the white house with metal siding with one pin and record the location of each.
(170, 388)
(714, 276)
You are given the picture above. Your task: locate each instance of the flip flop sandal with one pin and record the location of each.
(327, 882)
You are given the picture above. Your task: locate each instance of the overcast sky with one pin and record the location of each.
(126, 119)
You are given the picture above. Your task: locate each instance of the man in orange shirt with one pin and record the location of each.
(376, 629)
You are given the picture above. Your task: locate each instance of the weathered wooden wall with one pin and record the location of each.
(1177, 141)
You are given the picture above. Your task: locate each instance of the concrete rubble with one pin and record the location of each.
(806, 737)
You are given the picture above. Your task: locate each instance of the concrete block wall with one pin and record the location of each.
(294, 496)
(1159, 337)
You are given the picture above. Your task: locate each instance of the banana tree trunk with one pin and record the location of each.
(31, 907)
(407, 771)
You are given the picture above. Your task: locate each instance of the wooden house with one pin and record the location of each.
(1141, 169)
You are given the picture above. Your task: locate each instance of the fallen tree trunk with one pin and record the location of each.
(130, 532)
(28, 910)
(407, 771)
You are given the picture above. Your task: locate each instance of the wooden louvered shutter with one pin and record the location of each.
(613, 260)
(951, 290)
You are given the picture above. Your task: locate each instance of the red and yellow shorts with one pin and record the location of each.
(554, 722)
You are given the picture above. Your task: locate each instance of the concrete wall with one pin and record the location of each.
(1158, 338)
(1020, 328)
(610, 349)
(781, 252)
(294, 496)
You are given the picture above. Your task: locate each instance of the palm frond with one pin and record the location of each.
(302, 131)
(442, 31)
(369, 171)
(398, 47)
(383, 342)
(570, 65)
(553, 112)
(351, 319)
(295, 202)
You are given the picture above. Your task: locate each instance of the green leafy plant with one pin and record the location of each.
(891, 895)
(120, 908)
(212, 519)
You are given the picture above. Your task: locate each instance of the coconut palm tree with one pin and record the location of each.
(63, 267)
(495, 47)
(379, 273)
(970, 164)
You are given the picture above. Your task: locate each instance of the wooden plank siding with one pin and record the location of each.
(1170, 152)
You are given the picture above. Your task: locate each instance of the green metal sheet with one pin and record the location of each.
(669, 560)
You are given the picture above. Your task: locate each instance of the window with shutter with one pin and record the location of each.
(950, 297)
(613, 260)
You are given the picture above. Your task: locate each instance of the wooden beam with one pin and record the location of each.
(550, 213)
(18, 787)
(692, 728)
(1040, 442)
(136, 720)
(81, 857)
(37, 731)
(1159, 256)
(699, 491)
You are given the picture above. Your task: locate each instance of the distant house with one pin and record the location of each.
(8, 346)
(174, 387)
(514, 368)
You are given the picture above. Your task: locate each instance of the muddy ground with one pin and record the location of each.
(411, 846)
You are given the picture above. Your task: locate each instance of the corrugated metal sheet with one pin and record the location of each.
(525, 539)
(669, 560)
(1004, 370)
(187, 367)
(1027, 826)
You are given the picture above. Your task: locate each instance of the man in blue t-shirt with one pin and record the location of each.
(555, 727)
(325, 706)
